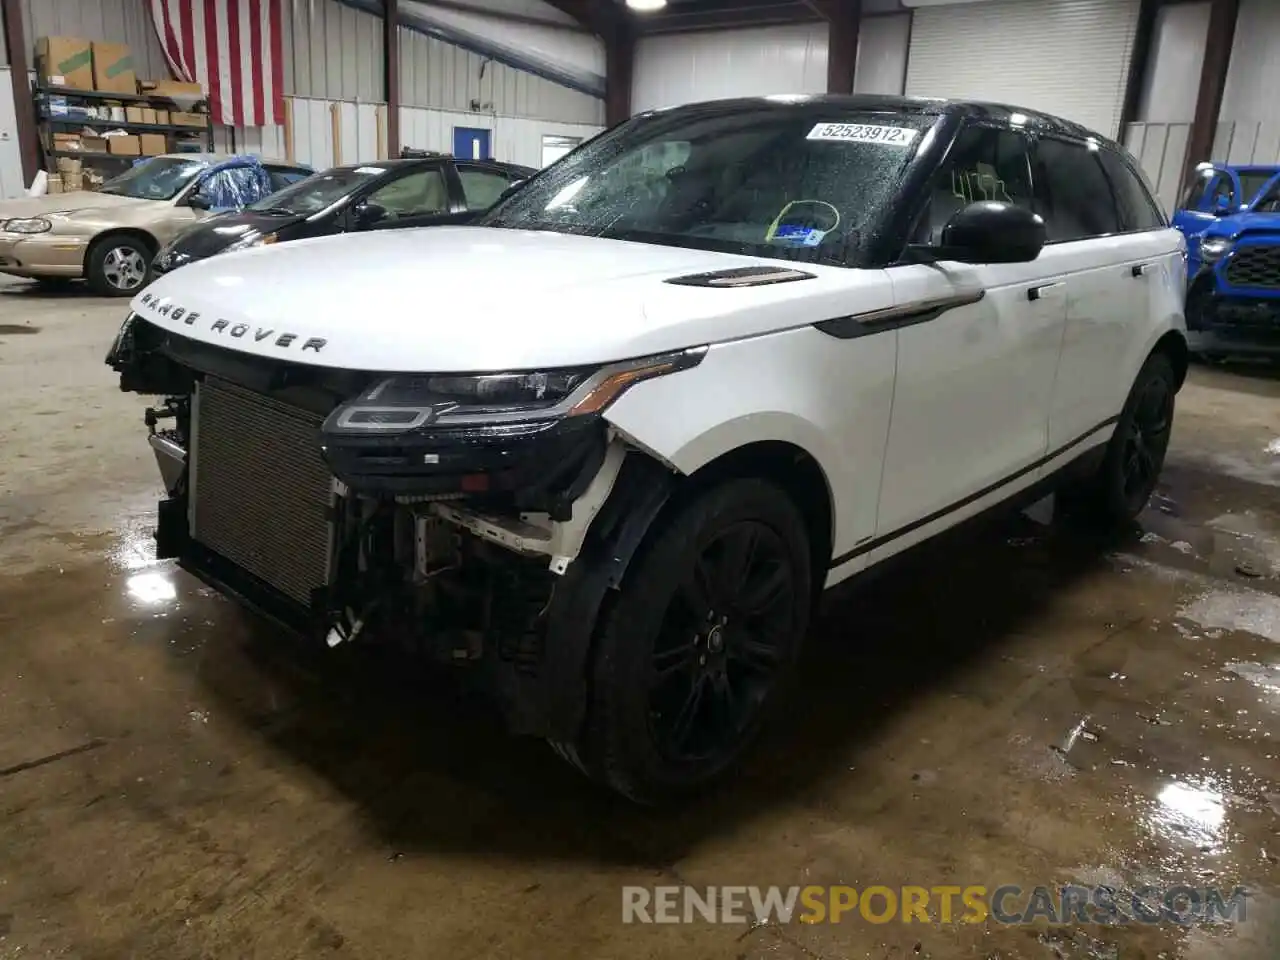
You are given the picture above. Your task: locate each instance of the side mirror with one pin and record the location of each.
(367, 214)
(198, 201)
(1221, 205)
(988, 231)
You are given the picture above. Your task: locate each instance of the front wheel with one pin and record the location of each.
(118, 266)
(1135, 455)
(698, 640)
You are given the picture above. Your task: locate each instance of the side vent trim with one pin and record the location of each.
(742, 277)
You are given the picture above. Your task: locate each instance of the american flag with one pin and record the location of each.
(230, 47)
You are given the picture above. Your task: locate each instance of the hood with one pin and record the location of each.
(78, 202)
(217, 233)
(1243, 222)
(454, 299)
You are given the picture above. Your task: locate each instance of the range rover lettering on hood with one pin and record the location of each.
(285, 340)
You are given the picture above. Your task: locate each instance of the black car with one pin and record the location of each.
(389, 194)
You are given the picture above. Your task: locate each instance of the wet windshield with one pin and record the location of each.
(766, 182)
(160, 178)
(317, 191)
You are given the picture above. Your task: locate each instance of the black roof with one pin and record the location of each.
(827, 104)
(398, 162)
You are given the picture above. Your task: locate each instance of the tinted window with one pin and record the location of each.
(1077, 196)
(418, 193)
(1137, 211)
(1251, 183)
(481, 188)
(312, 194)
(984, 164)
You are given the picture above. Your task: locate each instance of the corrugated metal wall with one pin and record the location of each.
(1249, 131)
(881, 66)
(686, 67)
(313, 139)
(1161, 148)
(115, 21)
(515, 139)
(440, 75)
(331, 51)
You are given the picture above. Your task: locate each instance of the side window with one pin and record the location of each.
(1137, 210)
(232, 188)
(1222, 193)
(481, 188)
(417, 193)
(282, 177)
(984, 164)
(1079, 202)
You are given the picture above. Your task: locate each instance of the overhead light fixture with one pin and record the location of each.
(646, 5)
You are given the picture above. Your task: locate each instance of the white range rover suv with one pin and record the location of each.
(604, 450)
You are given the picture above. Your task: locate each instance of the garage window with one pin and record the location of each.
(1077, 197)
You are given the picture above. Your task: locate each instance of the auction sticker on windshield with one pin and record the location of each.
(863, 133)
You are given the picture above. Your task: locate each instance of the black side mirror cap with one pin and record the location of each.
(989, 231)
(199, 202)
(367, 213)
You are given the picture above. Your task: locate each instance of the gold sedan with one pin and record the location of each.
(109, 236)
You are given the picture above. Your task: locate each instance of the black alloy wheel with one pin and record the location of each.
(1146, 440)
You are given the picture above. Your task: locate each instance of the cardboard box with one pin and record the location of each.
(127, 145)
(162, 116)
(188, 119)
(148, 115)
(113, 68)
(94, 144)
(54, 184)
(153, 144)
(172, 88)
(69, 166)
(65, 62)
(72, 182)
(134, 115)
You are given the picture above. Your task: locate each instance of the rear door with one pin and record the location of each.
(976, 364)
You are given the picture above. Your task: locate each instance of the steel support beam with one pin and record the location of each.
(843, 20)
(615, 26)
(23, 108)
(1139, 62)
(1213, 80)
(391, 72)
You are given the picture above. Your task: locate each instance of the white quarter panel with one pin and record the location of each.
(971, 403)
(1110, 318)
(827, 396)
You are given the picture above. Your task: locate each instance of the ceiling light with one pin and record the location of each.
(646, 4)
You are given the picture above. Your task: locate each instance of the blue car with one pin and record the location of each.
(1230, 216)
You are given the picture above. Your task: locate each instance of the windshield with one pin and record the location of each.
(317, 191)
(769, 181)
(160, 178)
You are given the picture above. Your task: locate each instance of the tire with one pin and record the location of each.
(694, 648)
(118, 266)
(1119, 491)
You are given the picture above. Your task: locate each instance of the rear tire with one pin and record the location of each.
(1119, 491)
(693, 650)
(118, 266)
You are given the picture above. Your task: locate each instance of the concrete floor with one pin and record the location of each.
(177, 782)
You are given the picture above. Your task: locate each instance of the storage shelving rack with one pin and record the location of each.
(48, 124)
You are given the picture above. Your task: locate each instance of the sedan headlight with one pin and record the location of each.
(1215, 248)
(29, 225)
(252, 240)
(408, 403)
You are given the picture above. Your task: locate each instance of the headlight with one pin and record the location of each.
(411, 402)
(1215, 248)
(252, 240)
(32, 225)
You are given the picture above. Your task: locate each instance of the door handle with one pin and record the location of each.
(1139, 270)
(1039, 293)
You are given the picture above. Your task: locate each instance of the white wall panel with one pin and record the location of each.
(1161, 148)
(1253, 79)
(331, 51)
(534, 9)
(881, 66)
(313, 142)
(1172, 83)
(113, 21)
(438, 74)
(680, 68)
(515, 139)
(1066, 57)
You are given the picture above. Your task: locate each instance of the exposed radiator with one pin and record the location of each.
(260, 489)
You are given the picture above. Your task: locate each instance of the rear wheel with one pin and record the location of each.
(118, 266)
(691, 654)
(1135, 456)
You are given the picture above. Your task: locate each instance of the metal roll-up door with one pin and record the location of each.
(1065, 57)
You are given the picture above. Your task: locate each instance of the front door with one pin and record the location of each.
(976, 364)
(471, 143)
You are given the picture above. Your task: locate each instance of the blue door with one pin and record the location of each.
(471, 143)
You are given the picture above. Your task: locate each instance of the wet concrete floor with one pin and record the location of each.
(1018, 705)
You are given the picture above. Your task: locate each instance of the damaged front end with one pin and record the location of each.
(479, 519)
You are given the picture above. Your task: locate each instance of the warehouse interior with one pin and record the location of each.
(1017, 705)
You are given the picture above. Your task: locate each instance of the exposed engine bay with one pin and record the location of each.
(348, 512)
